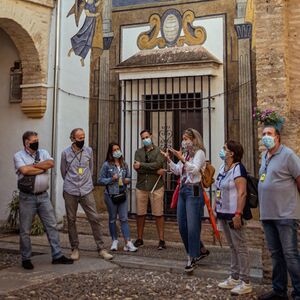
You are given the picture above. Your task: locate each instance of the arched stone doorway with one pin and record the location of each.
(34, 94)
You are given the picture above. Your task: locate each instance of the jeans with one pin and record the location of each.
(113, 211)
(189, 216)
(236, 239)
(30, 205)
(282, 240)
(87, 202)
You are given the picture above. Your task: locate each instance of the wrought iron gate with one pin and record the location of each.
(165, 106)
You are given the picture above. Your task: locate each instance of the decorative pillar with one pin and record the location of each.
(244, 33)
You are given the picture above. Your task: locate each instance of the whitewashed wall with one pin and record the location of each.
(73, 111)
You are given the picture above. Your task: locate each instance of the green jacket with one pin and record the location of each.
(147, 175)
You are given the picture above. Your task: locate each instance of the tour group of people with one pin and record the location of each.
(278, 191)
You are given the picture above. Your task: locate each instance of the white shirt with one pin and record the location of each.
(192, 167)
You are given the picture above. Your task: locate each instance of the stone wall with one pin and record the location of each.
(278, 63)
(27, 23)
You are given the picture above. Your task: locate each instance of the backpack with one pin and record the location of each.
(208, 175)
(252, 191)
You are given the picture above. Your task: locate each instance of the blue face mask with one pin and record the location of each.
(222, 154)
(147, 142)
(268, 141)
(117, 154)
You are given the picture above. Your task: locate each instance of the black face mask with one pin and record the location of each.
(79, 144)
(34, 146)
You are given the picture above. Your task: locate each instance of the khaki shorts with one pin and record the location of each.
(156, 200)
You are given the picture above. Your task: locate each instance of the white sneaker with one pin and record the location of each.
(75, 254)
(104, 254)
(242, 288)
(130, 247)
(229, 283)
(114, 245)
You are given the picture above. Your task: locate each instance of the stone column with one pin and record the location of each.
(104, 85)
(244, 32)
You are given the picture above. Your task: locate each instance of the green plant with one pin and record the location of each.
(268, 117)
(12, 223)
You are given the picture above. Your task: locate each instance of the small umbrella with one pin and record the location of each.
(212, 217)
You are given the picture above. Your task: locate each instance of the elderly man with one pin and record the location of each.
(278, 190)
(32, 165)
(76, 170)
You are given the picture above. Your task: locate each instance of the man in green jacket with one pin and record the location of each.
(148, 162)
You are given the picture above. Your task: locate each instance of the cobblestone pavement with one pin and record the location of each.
(8, 259)
(128, 284)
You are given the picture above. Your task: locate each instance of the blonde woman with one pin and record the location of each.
(190, 203)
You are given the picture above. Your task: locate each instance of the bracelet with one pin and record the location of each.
(238, 213)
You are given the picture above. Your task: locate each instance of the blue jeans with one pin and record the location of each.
(281, 236)
(113, 211)
(189, 216)
(31, 205)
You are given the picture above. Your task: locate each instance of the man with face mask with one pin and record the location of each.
(33, 164)
(147, 162)
(76, 169)
(279, 201)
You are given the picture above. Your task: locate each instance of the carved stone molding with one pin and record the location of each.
(169, 26)
(34, 108)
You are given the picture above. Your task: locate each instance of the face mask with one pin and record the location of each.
(222, 154)
(34, 146)
(147, 142)
(117, 154)
(79, 144)
(268, 141)
(187, 145)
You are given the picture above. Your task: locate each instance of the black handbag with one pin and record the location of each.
(118, 198)
(26, 184)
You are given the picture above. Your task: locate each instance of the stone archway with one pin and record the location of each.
(28, 26)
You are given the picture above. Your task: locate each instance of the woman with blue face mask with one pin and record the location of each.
(231, 194)
(115, 175)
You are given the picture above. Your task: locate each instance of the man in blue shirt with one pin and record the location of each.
(279, 201)
(36, 162)
(76, 170)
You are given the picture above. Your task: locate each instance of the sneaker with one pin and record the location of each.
(104, 254)
(203, 254)
(130, 247)
(138, 243)
(62, 261)
(190, 266)
(229, 283)
(242, 288)
(114, 245)
(161, 245)
(75, 254)
(27, 265)
(272, 296)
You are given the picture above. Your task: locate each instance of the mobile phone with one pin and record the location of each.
(196, 190)
(230, 223)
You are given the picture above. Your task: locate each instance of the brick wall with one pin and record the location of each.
(278, 63)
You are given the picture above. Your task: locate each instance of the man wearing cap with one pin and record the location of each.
(279, 201)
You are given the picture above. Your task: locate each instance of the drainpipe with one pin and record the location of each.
(55, 99)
